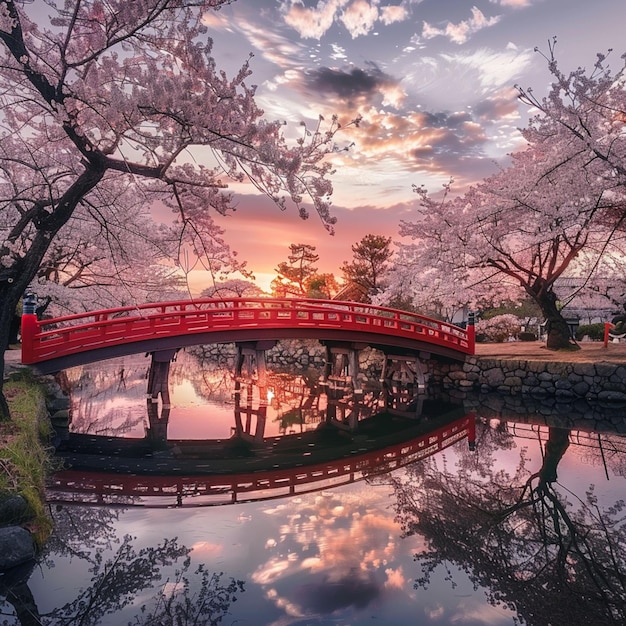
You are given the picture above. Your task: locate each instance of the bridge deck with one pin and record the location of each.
(66, 341)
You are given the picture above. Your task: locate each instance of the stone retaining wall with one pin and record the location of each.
(599, 381)
(293, 355)
(539, 379)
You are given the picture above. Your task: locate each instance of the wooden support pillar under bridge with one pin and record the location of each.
(250, 370)
(403, 379)
(250, 361)
(158, 388)
(404, 383)
(403, 376)
(342, 366)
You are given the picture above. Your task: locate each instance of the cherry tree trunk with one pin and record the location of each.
(14, 279)
(8, 301)
(558, 332)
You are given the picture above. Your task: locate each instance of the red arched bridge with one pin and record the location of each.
(57, 343)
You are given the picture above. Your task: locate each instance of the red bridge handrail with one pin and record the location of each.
(53, 338)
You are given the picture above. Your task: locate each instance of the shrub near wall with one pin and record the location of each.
(499, 328)
(595, 332)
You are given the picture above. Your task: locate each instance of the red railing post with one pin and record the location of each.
(471, 332)
(607, 330)
(30, 327)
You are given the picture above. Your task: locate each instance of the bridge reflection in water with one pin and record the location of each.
(93, 487)
(326, 434)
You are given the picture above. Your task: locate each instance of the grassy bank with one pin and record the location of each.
(24, 459)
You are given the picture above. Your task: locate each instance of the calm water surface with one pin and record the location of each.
(467, 516)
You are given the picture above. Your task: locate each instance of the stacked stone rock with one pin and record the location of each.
(16, 543)
(539, 379)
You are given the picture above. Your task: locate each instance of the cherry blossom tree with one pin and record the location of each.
(499, 328)
(106, 106)
(528, 223)
(430, 290)
(558, 208)
(588, 107)
(93, 263)
(233, 288)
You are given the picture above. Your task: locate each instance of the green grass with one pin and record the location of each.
(24, 457)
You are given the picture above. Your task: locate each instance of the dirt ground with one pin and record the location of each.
(591, 351)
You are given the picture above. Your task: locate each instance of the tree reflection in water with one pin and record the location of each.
(554, 556)
(120, 573)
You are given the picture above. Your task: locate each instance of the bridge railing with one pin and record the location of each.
(61, 336)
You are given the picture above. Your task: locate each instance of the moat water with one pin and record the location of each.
(294, 502)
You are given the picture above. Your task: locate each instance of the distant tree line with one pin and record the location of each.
(363, 277)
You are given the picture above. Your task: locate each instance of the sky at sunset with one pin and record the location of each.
(434, 82)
